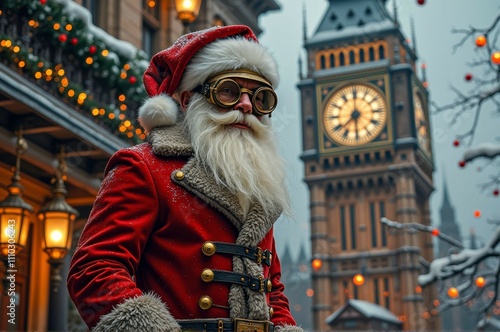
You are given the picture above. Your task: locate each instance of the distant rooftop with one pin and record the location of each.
(367, 309)
(347, 18)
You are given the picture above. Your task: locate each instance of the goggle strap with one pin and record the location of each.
(204, 89)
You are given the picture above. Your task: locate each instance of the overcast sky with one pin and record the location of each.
(434, 40)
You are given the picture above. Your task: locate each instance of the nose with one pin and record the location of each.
(244, 104)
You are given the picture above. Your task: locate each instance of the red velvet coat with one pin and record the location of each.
(146, 230)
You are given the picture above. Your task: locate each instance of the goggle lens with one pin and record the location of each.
(226, 93)
(264, 100)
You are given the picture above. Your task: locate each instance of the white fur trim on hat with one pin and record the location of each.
(228, 54)
(158, 111)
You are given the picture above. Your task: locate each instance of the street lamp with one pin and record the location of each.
(57, 218)
(187, 11)
(14, 215)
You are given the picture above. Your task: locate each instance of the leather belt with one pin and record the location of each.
(225, 325)
(257, 254)
(256, 284)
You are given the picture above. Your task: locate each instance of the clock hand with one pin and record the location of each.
(346, 123)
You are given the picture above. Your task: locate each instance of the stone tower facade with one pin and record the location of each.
(367, 155)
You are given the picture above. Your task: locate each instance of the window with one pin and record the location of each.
(353, 226)
(387, 293)
(382, 226)
(148, 36)
(376, 291)
(150, 26)
(373, 222)
(381, 52)
(93, 7)
(342, 59)
(322, 61)
(345, 287)
(361, 55)
(342, 228)
(371, 53)
(351, 57)
(332, 60)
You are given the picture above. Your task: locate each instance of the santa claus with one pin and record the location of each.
(180, 237)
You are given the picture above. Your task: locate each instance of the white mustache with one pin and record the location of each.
(231, 117)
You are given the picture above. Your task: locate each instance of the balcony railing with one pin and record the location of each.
(54, 44)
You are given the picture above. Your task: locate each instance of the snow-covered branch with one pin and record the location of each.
(468, 277)
(487, 150)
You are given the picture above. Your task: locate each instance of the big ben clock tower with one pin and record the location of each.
(367, 155)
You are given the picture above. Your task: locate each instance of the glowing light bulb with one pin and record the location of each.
(316, 264)
(358, 279)
(453, 292)
(56, 235)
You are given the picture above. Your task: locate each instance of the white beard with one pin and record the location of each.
(244, 160)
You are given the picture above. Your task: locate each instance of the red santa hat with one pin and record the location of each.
(192, 59)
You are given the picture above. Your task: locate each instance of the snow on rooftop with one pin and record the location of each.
(368, 309)
(367, 29)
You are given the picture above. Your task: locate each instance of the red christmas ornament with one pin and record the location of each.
(132, 79)
(468, 77)
(92, 49)
(461, 163)
(43, 2)
(496, 192)
(495, 58)
(480, 41)
(421, 2)
(74, 41)
(62, 38)
(435, 232)
(456, 142)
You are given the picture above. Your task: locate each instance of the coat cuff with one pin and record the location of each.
(288, 328)
(144, 313)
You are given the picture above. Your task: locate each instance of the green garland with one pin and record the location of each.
(48, 21)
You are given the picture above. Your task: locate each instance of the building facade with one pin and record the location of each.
(367, 155)
(70, 87)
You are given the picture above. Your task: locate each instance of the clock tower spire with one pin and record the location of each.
(367, 155)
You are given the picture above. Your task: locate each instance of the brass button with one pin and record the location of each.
(205, 302)
(179, 175)
(207, 275)
(208, 248)
(271, 311)
(269, 286)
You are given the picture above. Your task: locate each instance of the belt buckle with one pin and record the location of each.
(248, 325)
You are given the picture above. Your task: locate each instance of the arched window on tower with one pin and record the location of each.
(361, 55)
(332, 60)
(342, 59)
(381, 52)
(322, 62)
(371, 53)
(352, 60)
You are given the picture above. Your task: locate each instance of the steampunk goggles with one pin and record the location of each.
(223, 91)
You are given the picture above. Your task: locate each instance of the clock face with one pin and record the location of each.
(421, 124)
(355, 115)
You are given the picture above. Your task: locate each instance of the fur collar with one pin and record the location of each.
(172, 141)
